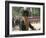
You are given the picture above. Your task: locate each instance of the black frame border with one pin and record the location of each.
(7, 18)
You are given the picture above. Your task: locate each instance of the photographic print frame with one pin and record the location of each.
(7, 19)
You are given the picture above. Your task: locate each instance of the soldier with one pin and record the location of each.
(26, 20)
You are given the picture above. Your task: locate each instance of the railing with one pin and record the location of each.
(34, 19)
